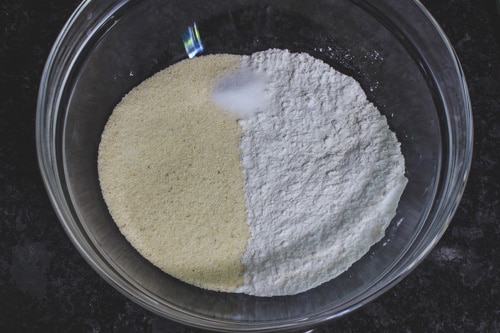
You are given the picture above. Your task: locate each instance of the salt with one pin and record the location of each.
(242, 93)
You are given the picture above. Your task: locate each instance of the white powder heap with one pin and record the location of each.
(323, 174)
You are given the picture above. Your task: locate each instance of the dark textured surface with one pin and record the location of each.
(45, 286)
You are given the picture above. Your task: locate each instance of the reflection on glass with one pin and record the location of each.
(192, 41)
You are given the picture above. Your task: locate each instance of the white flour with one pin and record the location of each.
(323, 174)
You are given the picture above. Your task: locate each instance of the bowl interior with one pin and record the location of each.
(131, 41)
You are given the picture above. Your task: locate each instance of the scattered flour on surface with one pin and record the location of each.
(323, 175)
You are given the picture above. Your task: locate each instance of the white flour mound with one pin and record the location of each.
(323, 174)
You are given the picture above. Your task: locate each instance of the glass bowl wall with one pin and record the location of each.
(395, 50)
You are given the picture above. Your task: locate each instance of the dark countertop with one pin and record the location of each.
(46, 286)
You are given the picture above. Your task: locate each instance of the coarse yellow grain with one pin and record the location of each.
(170, 172)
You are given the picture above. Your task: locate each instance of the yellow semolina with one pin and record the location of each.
(170, 172)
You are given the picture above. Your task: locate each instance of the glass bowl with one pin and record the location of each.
(394, 49)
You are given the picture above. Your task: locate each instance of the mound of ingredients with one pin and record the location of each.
(266, 174)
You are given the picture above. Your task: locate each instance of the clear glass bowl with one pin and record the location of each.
(394, 49)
